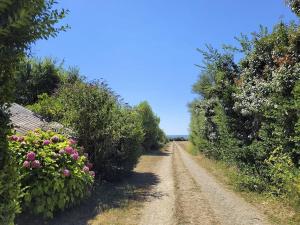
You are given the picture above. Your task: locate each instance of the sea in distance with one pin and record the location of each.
(178, 136)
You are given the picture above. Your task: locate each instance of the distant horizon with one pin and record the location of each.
(177, 135)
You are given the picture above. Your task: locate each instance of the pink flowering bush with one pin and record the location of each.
(55, 172)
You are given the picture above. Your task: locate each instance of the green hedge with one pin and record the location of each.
(10, 188)
(248, 112)
(111, 132)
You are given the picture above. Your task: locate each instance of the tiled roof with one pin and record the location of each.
(25, 120)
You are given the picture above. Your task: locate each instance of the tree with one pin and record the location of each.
(153, 134)
(34, 78)
(248, 113)
(110, 131)
(22, 23)
(295, 6)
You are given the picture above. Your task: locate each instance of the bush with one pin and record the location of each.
(21, 25)
(9, 174)
(50, 107)
(10, 189)
(281, 172)
(249, 182)
(55, 173)
(35, 77)
(111, 132)
(154, 137)
(128, 136)
(248, 112)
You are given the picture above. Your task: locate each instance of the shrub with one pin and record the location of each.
(55, 173)
(281, 172)
(50, 107)
(22, 23)
(248, 112)
(10, 190)
(9, 176)
(35, 77)
(154, 137)
(128, 136)
(111, 132)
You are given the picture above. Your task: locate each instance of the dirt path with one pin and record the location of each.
(222, 205)
(160, 208)
(190, 195)
(192, 207)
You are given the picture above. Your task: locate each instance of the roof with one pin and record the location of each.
(24, 120)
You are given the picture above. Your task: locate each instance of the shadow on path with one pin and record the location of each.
(106, 196)
(157, 153)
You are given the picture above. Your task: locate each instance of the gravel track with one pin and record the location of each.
(190, 195)
(160, 207)
(228, 208)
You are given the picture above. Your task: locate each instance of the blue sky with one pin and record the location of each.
(146, 49)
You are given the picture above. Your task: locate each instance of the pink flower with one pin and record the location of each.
(21, 139)
(14, 138)
(61, 151)
(92, 173)
(85, 169)
(46, 142)
(36, 164)
(72, 141)
(26, 164)
(66, 172)
(30, 156)
(55, 139)
(69, 150)
(75, 156)
(89, 165)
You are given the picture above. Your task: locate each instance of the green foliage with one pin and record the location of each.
(34, 78)
(248, 113)
(281, 172)
(295, 6)
(53, 170)
(22, 23)
(154, 137)
(10, 189)
(102, 126)
(111, 131)
(50, 107)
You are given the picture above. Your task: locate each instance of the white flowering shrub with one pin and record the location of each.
(249, 113)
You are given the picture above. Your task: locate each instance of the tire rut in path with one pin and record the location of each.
(191, 205)
(228, 208)
(159, 210)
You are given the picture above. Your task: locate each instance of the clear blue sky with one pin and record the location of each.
(145, 49)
